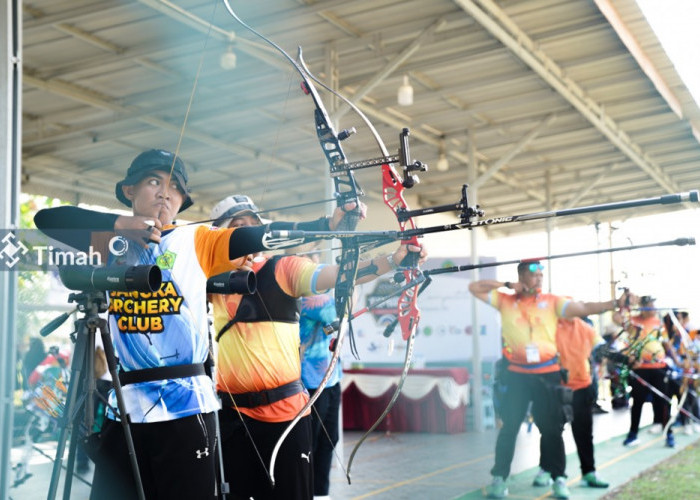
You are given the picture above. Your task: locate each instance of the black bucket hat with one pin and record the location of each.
(155, 159)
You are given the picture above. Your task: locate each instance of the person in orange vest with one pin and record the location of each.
(528, 334)
(648, 348)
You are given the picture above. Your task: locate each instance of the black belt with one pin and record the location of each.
(253, 399)
(160, 373)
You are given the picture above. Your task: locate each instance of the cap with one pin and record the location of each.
(155, 159)
(235, 206)
(646, 300)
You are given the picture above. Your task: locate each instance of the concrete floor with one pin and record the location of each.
(440, 466)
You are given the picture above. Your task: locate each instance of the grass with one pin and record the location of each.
(675, 477)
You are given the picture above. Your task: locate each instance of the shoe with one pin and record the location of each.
(497, 488)
(631, 440)
(543, 478)
(670, 441)
(594, 481)
(688, 429)
(559, 488)
(598, 410)
(656, 429)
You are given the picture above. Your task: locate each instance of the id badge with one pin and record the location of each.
(532, 353)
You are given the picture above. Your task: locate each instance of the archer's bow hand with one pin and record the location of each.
(399, 256)
(626, 299)
(139, 228)
(340, 212)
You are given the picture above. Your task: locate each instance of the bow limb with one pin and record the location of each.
(408, 313)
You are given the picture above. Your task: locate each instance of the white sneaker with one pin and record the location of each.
(696, 427)
(688, 429)
(656, 429)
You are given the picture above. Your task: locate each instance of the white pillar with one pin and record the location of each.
(10, 174)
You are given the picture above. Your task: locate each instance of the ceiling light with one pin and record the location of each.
(405, 95)
(228, 59)
(443, 163)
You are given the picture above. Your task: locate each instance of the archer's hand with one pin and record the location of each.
(340, 212)
(139, 228)
(627, 299)
(400, 254)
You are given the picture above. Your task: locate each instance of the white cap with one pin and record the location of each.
(235, 206)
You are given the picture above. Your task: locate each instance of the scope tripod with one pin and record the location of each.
(82, 388)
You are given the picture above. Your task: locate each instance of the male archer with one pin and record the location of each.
(258, 361)
(533, 372)
(160, 338)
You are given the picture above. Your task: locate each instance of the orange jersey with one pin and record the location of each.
(650, 338)
(575, 341)
(526, 323)
(264, 354)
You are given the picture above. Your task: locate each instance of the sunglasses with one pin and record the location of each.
(535, 267)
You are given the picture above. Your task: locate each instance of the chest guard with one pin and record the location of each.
(269, 303)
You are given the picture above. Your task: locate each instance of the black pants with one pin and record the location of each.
(324, 428)
(247, 451)
(520, 389)
(582, 427)
(662, 408)
(177, 459)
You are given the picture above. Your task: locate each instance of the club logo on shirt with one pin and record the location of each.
(166, 260)
(139, 312)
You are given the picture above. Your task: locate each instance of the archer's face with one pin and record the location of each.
(532, 280)
(156, 195)
(244, 220)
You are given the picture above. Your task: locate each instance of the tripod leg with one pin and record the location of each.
(75, 382)
(225, 489)
(123, 415)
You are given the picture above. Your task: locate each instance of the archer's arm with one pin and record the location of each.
(581, 309)
(371, 269)
(481, 289)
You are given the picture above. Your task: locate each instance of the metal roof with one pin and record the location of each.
(567, 102)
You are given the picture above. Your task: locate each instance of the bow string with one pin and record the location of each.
(347, 191)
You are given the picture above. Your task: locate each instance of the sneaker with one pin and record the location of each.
(497, 488)
(559, 488)
(543, 478)
(688, 429)
(670, 441)
(598, 410)
(631, 440)
(656, 429)
(594, 481)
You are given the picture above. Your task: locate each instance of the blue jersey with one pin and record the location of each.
(170, 326)
(316, 311)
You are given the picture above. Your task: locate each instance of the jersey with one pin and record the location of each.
(168, 327)
(647, 344)
(316, 312)
(529, 325)
(575, 341)
(261, 354)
